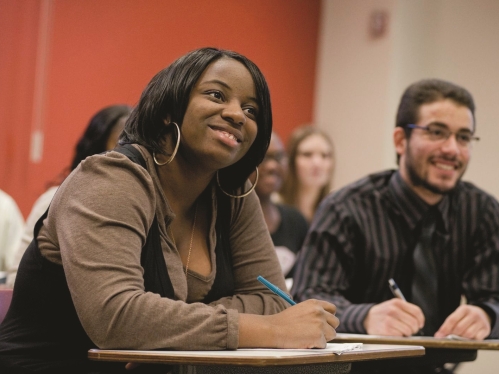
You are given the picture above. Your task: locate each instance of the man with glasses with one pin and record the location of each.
(420, 225)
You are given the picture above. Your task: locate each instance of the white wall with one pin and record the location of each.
(360, 79)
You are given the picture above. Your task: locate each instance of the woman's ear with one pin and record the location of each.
(399, 140)
(167, 120)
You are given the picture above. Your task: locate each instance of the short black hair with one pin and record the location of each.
(428, 91)
(167, 95)
(94, 139)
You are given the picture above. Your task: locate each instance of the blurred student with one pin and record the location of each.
(311, 165)
(286, 224)
(101, 135)
(11, 225)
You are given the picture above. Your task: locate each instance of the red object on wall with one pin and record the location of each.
(98, 53)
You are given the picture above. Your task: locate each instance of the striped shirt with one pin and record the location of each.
(365, 234)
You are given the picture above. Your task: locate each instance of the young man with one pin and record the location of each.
(389, 224)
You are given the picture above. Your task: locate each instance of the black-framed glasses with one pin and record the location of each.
(440, 132)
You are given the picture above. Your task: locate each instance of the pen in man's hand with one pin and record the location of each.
(395, 289)
(398, 294)
(275, 290)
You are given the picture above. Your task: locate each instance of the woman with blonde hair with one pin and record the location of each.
(311, 165)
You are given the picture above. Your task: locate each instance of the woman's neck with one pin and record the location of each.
(306, 198)
(182, 184)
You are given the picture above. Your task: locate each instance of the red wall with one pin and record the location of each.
(102, 52)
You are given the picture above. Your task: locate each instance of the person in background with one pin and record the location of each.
(11, 226)
(434, 234)
(101, 135)
(286, 224)
(158, 243)
(311, 166)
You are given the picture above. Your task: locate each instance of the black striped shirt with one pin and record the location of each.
(365, 234)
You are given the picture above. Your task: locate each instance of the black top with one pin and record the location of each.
(365, 234)
(293, 229)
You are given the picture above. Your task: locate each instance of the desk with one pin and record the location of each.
(425, 341)
(438, 351)
(261, 362)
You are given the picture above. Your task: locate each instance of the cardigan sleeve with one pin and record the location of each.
(97, 226)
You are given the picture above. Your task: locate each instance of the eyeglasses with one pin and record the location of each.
(278, 157)
(440, 132)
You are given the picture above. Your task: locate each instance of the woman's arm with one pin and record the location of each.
(310, 324)
(99, 220)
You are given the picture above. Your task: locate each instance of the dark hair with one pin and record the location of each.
(289, 190)
(168, 93)
(94, 139)
(428, 91)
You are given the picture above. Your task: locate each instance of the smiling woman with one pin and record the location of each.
(151, 245)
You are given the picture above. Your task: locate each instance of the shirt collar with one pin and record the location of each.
(411, 206)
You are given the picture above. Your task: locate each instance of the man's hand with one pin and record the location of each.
(394, 317)
(468, 321)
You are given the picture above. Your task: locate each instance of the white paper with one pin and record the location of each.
(332, 348)
(336, 348)
(286, 258)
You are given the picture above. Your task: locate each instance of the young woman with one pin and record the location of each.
(158, 244)
(101, 135)
(311, 166)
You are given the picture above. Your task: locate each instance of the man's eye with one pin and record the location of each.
(436, 132)
(465, 138)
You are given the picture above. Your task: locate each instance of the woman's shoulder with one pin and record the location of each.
(105, 178)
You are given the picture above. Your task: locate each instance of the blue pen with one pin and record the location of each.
(275, 290)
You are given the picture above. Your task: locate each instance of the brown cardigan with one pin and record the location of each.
(96, 227)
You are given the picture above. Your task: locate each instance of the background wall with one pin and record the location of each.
(360, 78)
(61, 61)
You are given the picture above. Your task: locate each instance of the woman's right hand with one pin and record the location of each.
(309, 324)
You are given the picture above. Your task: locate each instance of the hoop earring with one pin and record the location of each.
(174, 151)
(244, 194)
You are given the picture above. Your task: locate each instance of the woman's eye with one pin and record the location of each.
(251, 111)
(217, 95)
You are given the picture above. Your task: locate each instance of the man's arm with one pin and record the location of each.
(479, 319)
(326, 264)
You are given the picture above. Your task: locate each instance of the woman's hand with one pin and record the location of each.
(310, 324)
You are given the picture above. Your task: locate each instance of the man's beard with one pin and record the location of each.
(418, 181)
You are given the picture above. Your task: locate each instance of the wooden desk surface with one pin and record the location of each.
(425, 341)
(276, 358)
